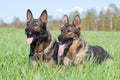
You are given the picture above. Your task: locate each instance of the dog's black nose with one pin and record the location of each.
(27, 29)
(60, 37)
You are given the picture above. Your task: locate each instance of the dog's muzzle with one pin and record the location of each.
(28, 32)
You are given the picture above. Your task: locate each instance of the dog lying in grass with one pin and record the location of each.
(73, 49)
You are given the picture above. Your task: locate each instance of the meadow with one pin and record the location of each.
(14, 60)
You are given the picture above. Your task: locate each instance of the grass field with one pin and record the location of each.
(14, 64)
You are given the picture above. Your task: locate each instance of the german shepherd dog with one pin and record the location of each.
(42, 45)
(73, 48)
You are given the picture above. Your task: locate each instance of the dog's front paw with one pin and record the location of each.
(66, 61)
(47, 50)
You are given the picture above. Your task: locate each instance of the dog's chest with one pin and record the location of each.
(40, 47)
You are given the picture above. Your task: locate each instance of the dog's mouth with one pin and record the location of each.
(30, 37)
(29, 40)
(63, 46)
(61, 49)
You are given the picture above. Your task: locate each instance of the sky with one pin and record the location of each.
(9, 9)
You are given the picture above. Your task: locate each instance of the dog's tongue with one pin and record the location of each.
(61, 49)
(29, 40)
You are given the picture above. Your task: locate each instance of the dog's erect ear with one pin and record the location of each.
(65, 20)
(77, 22)
(44, 16)
(29, 15)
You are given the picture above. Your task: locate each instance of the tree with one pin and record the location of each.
(90, 19)
(2, 23)
(101, 20)
(17, 23)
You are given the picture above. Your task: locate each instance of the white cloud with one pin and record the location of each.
(105, 8)
(64, 11)
(78, 9)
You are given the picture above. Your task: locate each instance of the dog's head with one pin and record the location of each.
(70, 31)
(35, 27)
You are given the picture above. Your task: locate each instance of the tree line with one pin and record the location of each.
(106, 20)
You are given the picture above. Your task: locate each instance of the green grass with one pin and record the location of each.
(14, 61)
